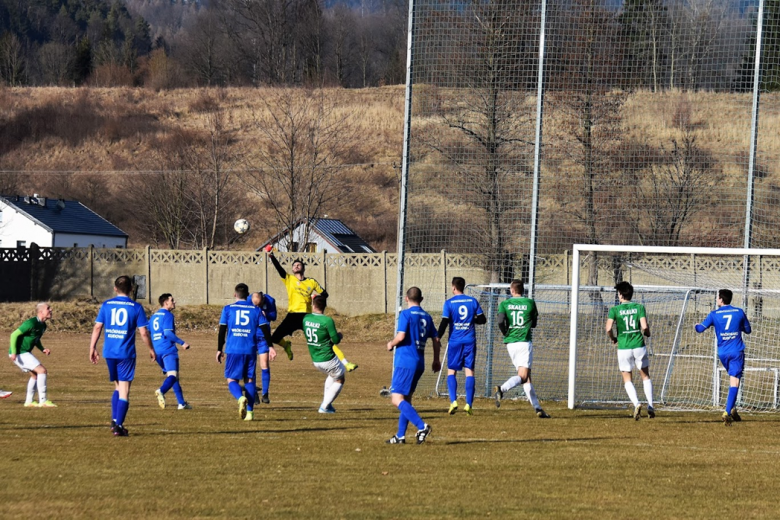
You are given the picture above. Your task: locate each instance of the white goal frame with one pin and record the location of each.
(577, 249)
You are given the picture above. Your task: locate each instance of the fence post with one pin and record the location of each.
(444, 273)
(324, 270)
(206, 273)
(91, 257)
(384, 285)
(265, 272)
(149, 274)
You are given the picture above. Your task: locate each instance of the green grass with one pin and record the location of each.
(294, 463)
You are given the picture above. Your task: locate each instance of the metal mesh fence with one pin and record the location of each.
(646, 122)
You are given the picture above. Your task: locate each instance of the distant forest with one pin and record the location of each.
(697, 44)
(179, 43)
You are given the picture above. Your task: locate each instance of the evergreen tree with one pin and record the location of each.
(770, 53)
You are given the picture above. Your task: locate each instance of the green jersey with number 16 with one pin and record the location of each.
(626, 317)
(521, 314)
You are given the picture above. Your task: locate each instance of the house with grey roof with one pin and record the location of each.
(328, 235)
(54, 223)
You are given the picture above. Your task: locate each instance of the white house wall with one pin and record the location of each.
(73, 240)
(314, 238)
(16, 227)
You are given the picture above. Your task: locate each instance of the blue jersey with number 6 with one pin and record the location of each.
(418, 327)
(120, 317)
(163, 331)
(729, 322)
(243, 327)
(461, 310)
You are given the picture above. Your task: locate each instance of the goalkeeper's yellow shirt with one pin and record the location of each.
(299, 293)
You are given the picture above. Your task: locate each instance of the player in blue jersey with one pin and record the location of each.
(239, 333)
(121, 317)
(414, 328)
(729, 322)
(265, 349)
(461, 313)
(164, 340)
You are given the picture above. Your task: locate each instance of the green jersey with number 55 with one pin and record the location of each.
(626, 317)
(521, 316)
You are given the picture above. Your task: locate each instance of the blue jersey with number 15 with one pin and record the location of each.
(461, 310)
(417, 325)
(120, 317)
(243, 327)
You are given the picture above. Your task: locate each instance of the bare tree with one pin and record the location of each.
(12, 60)
(295, 171)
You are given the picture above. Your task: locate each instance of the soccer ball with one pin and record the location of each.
(241, 226)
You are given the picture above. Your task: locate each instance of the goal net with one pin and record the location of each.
(678, 287)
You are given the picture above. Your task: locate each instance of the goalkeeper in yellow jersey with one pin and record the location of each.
(300, 291)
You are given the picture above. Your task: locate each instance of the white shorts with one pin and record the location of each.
(522, 353)
(628, 358)
(334, 368)
(26, 361)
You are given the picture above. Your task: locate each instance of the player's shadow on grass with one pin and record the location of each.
(247, 432)
(527, 441)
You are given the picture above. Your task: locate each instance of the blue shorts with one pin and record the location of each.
(405, 380)
(461, 355)
(262, 348)
(168, 362)
(121, 369)
(734, 363)
(240, 366)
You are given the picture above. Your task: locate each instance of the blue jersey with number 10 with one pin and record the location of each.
(461, 310)
(418, 327)
(243, 327)
(120, 317)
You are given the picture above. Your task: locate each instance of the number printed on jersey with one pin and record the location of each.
(517, 319)
(630, 322)
(463, 312)
(156, 323)
(242, 317)
(311, 335)
(118, 317)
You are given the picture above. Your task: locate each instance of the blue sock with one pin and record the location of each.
(178, 392)
(452, 387)
(411, 414)
(470, 386)
(732, 398)
(403, 423)
(265, 378)
(235, 389)
(121, 411)
(114, 400)
(251, 390)
(167, 384)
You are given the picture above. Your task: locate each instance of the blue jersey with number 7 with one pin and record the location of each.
(242, 320)
(729, 322)
(120, 317)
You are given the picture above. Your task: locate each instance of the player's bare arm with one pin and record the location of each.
(644, 326)
(93, 354)
(148, 340)
(397, 340)
(608, 328)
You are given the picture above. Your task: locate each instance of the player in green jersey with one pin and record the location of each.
(517, 315)
(23, 339)
(630, 321)
(321, 336)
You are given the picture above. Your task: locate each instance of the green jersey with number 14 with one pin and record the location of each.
(521, 314)
(626, 317)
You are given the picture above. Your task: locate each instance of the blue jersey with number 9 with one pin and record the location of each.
(243, 327)
(120, 317)
(461, 310)
(417, 325)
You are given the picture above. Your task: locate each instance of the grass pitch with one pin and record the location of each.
(292, 462)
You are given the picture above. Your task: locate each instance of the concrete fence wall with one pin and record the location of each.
(358, 283)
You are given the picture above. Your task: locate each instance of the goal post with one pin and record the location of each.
(678, 286)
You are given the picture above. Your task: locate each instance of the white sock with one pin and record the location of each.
(41, 388)
(648, 384)
(30, 391)
(631, 391)
(344, 362)
(531, 393)
(328, 381)
(511, 383)
(331, 394)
